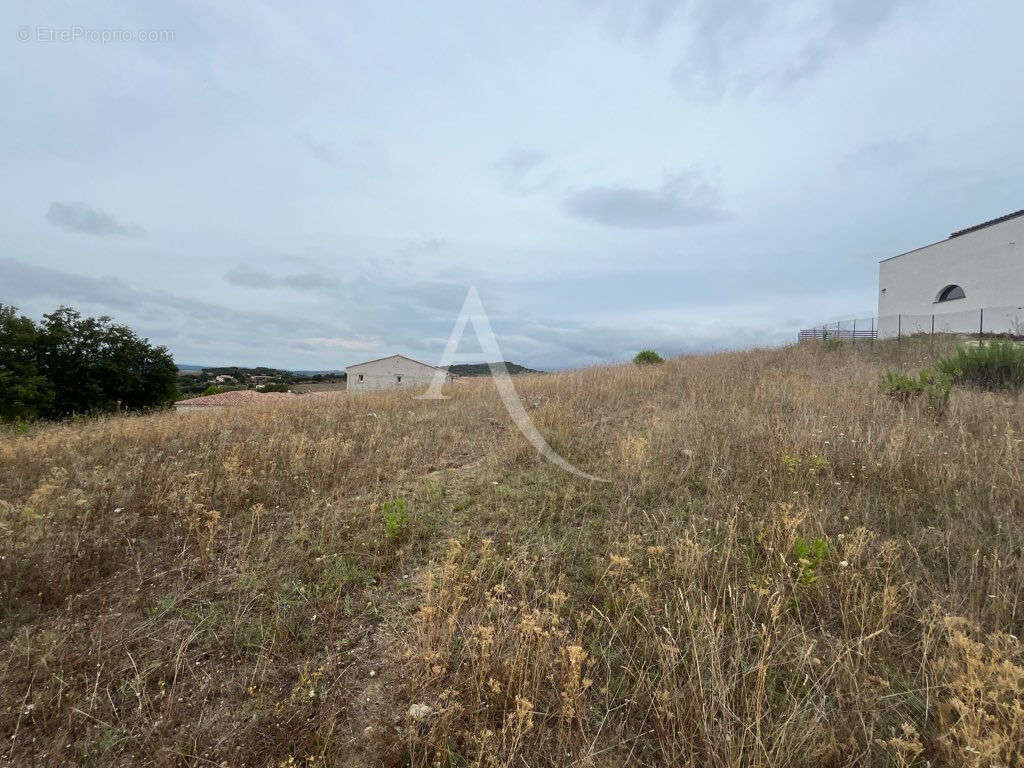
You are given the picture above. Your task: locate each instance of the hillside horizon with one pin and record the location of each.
(465, 369)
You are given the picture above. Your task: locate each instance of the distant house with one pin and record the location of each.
(971, 281)
(225, 379)
(394, 372)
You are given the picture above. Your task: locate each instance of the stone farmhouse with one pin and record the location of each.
(393, 372)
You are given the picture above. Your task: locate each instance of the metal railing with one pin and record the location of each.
(833, 332)
(983, 322)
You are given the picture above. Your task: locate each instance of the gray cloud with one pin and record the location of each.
(228, 332)
(81, 217)
(25, 281)
(521, 171)
(321, 150)
(330, 193)
(726, 49)
(851, 23)
(857, 21)
(410, 316)
(516, 162)
(683, 200)
(247, 277)
(721, 37)
(641, 20)
(656, 15)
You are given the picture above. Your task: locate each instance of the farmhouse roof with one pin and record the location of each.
(236, 397)
(388, 357)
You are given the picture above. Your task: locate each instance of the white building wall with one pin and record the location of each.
(395, 372)
(987, 263)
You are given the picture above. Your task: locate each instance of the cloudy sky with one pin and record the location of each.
(307, 185)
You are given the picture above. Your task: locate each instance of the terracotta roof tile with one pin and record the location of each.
(236, 397)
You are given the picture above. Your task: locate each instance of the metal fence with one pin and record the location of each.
(987, 321)
(834, 331)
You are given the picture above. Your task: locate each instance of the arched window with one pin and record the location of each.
(951, 292)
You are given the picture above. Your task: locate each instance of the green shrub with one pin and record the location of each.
(648, 357)
(995, 365)
(807, 464)
(396, 519)
(900, 386)
(929, 384)
(216, 389)
(809, 556)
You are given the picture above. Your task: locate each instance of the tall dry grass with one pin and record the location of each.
(786, 568)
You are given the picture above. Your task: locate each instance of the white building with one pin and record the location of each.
(394, 372)
(973, 280)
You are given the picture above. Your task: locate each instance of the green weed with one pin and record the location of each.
(934, 387)
(396, 519)
(809, 556)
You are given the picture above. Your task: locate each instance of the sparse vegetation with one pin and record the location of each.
(990, 365)
(995, 365)
(933, 387)
(787, 569)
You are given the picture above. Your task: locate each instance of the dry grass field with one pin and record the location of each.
(787, 569)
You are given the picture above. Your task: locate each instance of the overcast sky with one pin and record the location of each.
(308, 185)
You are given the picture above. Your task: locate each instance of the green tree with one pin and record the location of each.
(648, 357)
(24, 392)
(72, 364)
(68, 349)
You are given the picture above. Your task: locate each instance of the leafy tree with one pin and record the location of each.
(78, 364)
(648, 357)
(24, 392)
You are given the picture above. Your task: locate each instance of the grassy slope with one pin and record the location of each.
(244, 588)
(483, 369)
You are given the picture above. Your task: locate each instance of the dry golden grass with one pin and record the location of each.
(787, 569)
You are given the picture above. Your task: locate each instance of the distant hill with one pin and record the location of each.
(207, 379)
(320, 373)
(260, 370)
(243, 374)
(483, 369)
